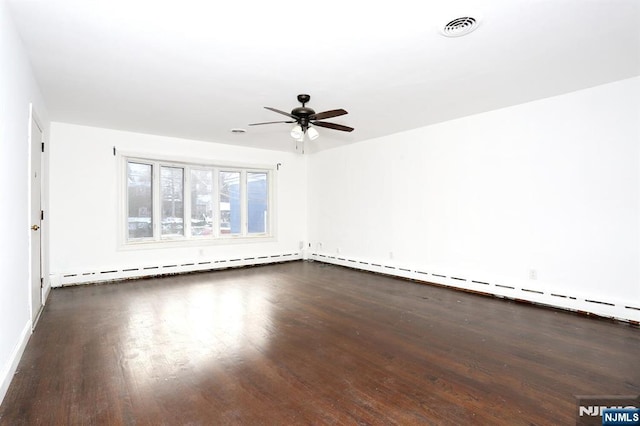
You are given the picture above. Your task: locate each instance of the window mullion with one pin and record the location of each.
(186, 205)
(156, 202)
(244, 231)
(216, 203)
(267, 225)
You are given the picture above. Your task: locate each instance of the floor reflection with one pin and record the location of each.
(195, 328)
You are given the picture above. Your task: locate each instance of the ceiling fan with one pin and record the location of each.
(305, 117)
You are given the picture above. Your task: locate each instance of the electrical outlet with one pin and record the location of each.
(390, 255)
(319, 246)
(533, 274)
(338, 250)
(301, 245)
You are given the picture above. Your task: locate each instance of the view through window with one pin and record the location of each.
(167, 201)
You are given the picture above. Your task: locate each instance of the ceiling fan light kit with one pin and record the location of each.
(296, 132)
(305, 117)
(312, 133)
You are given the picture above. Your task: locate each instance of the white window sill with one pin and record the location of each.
(195, 242)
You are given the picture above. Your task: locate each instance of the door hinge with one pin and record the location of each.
(41, 282)
(41, 214)
(42, 146)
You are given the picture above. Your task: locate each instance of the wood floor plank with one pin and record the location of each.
(309, 343)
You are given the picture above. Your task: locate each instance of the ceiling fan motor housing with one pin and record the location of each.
(303, 113)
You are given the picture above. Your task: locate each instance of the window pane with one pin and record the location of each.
(171, 190)
(201, 202)
(139, 200)
(229, 203)
(257, 202)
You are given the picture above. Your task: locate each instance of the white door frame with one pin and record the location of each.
(36, 270)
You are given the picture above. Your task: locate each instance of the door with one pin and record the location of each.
(36, 221)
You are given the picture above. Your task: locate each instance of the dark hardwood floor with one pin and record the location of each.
(308, 343)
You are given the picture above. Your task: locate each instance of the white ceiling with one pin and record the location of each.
(197, 68)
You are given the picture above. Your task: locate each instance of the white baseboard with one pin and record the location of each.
(46, 290)
(603, 305)
(118, 273)
(9, 369)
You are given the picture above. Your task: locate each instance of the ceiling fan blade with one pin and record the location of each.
(328, 114)
(270, 122)
(281, 112)
(333, 126)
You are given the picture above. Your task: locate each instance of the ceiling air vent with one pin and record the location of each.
(460, 26)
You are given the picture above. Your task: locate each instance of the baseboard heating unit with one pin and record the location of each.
(165, 268)
(627, 311)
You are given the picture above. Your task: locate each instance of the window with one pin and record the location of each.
(171, 190)
(230, 203)
(167, 201)
(201, 202)
(140, 200)
(257, 202)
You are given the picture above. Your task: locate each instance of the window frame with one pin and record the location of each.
(126, 197)
(216, 237)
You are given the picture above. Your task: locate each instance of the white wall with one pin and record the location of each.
(18, 89)
(551, 186)
(85, 195)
